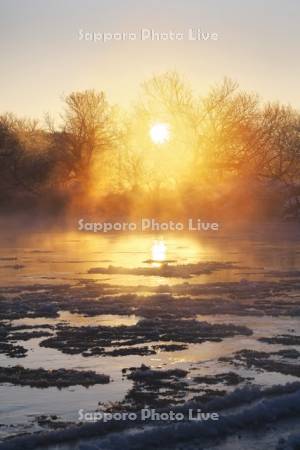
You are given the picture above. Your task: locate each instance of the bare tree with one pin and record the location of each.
(88, 130)
(25, 163)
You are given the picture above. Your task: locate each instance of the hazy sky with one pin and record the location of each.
(42, 58)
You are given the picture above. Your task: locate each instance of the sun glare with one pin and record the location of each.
(160, 133)
(158, 250)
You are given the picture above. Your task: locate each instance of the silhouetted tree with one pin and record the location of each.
(88, 130)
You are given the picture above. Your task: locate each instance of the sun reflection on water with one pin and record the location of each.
(159, 250)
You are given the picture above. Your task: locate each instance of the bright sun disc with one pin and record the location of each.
(160, 133)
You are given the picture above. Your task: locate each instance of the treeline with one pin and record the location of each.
(228, 154)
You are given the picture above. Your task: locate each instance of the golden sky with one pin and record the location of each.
(42, 57)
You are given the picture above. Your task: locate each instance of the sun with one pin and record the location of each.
(160, 133)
